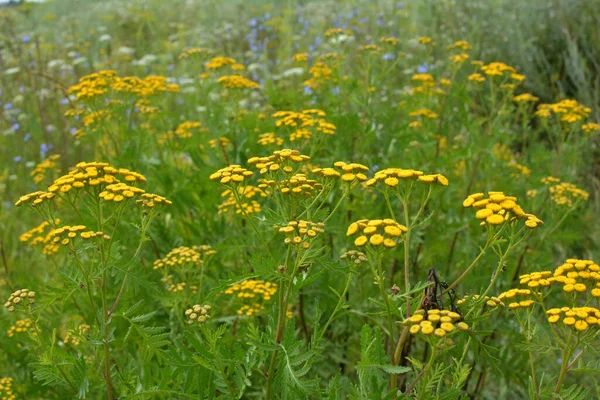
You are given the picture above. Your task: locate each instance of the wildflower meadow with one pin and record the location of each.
(300, 199)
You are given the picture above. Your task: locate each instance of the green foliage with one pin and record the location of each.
(299, 274)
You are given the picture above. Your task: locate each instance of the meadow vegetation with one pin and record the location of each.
(299, 200)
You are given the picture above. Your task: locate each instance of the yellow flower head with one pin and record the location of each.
(237, 82)
(232, 175)
(497, 208)
(285, 160)
(437, 322)
(252, 289)
(68, 235)
(579, 319)
(376, 232)
(184, 256)
(300, 233)
(21, 297)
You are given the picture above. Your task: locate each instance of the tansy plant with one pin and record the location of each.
(572, 314)
(100, 198)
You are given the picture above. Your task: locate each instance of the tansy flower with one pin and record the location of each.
(497, 208)
(67, 234)
(219, 62)
(252, 289)
(19, 297)
(237, 82)
(590, 127)
(281, 160)
(195, 51)
(525, 97)
(183, 255)
(232, 175)
(300, 233)
(438, 322)
(376, 232)
(299, 185)
(476, 77)
(352, 172)
(563, 193)
(576, 318)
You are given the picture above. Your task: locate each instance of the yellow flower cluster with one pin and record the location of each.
(326, 172)
(184, 130)
(459, 58)
(145, 87)
(21, 296)
(49, 164)
(578, 318)
(219, 62)
(476, 77)
(320, 73)
(97, 84)
(279, 160)
(6, 389)
(391, 177)
(66, 234)
(425, 80)
(74, 337)
(563, 193)
(193, 52)
(150, 200)
(568, 110)
(222, 142)
(389, 40)
(425, 40)
(590, 127)
(92, 85)
(301, 121)
(35, 198)
(369, 47)
(184, 255)
(574, 275)
(459, 44)
(351, 172)
(118, 192)
(299, 185)
(334, 31)
(491, 302)
(245, 192)
(438, 322)
(93, 174)
(232, 175)
(39, 236)
(525, 97)
(251, 288)
(95, 116)
(269, 138)
(237, 82)
(198, 313)
(301, 232)
(376, 232)
(300, 57)
(250, 310)
(21, 326)
(497, 208)
(512, 293)
(497, 69)
(424, 112)
(519, 170)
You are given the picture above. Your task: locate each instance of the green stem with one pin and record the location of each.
(566, 355)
